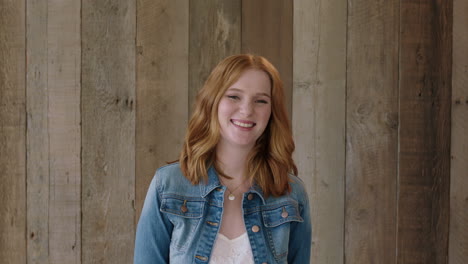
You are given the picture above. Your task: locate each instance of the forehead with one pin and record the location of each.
(252, 81)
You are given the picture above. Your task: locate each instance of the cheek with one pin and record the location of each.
(223, 111)
(266, 115)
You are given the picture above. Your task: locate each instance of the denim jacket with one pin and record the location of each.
(179, 221)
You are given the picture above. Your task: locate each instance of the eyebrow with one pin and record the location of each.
(239, 90)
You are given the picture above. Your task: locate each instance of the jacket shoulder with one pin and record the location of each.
(172, 169)
(298, 189)
(170, 178)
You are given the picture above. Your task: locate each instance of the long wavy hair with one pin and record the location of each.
(270, 160)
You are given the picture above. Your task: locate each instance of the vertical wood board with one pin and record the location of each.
(162, 87)
(318, 115)
(458, 236)
(108, 33)
(215, 33)
(37, 109)
(267, 30)
(424, 161)
(371, 131)
(53, 134)
(12, 132)
(64, 62)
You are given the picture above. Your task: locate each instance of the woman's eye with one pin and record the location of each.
(262, 101)
(233, 97)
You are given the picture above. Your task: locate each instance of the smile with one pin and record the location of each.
(243, 124)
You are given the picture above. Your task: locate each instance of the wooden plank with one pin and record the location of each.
(267, 31)
(53, 134)
(12, 132)
(424, 160)
(458, 236)
(371, 131)
(162, 87)
(318, 115)
(108, 32)
(215, 33)
(37, 133)
(64, 62)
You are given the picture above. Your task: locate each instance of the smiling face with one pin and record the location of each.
(245, 109)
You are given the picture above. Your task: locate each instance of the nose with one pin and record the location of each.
(246, 108)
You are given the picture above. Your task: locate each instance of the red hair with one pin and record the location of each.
(270, 160)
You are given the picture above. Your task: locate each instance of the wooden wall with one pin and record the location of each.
(458, 236)
(95, 96)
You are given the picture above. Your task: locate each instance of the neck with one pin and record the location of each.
(232, 161)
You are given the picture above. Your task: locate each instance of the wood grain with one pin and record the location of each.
(424, 161)
(12, 132)
(53, 134)
(215, 33)
(458, 236)
(162, 87)
(267, 30)
(38, 156)
(108, 131)
(371, 131)
(318, 114)
(64, 65)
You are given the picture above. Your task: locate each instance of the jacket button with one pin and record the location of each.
(284, 214)
(255, 228)
(250, 196)
(183, 208)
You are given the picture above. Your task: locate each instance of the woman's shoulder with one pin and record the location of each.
(170, 178)
(298, 193)
(298, 189)
(171, 169)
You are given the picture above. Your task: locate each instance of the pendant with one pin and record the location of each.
(231, 197)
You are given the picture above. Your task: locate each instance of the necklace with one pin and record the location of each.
(231, 195)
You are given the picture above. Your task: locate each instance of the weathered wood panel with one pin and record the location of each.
(458, 243)
(424, 161)
(12, 132)
(215, 33)
(318, 115)
(162, 87)
(37, 132)
(371, 132)
(267, 30)
(64, 65)
(108, 131)
(53, 134)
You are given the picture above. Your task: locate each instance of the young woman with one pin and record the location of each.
(232, 197)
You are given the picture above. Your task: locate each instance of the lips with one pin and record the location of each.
(243, 123)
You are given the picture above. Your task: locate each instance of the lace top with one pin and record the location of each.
(231, 251)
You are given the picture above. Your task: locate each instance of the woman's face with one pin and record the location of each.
(245, 109)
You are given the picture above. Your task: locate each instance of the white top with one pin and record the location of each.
(231, 251)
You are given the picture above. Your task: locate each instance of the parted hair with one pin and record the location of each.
(270, 160)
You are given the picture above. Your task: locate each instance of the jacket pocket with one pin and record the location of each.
(185, 214)
(277, 219)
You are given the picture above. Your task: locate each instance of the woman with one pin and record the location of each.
(231, 198)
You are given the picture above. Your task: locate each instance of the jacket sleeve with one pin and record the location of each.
(301, 232)
(153, 235)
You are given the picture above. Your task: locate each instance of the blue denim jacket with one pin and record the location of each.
(179, 221)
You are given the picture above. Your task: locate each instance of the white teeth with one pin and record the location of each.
(243, 124)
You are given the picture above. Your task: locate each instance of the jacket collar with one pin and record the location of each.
(213, 182)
